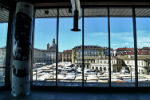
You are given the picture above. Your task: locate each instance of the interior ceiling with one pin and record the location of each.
(95, 12)
(91, 8)
(66, 3)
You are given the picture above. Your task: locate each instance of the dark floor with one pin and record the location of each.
(44, 95)
(79, 84)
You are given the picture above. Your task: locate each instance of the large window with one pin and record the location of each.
(44, 57)
(3, 38)
(122, 56)
(96, 63)
(70, 65)
(143, 51)
(122, 47)
(96, 51)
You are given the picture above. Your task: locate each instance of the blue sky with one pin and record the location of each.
(95, 32)
(3, 34)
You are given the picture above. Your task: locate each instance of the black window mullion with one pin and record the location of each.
(135, 46)
(32, 52)
(57, 33)
(9, 47)
(109, 81)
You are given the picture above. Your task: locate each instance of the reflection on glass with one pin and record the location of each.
(96, 52)
(3, 38)
(143, 51)
(70, 65)
(44, 57)
(122, 53)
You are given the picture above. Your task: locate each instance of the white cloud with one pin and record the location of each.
(98, 34)
(143, 38)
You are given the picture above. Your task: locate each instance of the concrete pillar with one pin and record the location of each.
(22, 46)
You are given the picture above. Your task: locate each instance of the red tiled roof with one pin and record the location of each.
(67, 51)
(145, 48)
(125, 49)
(139, 52)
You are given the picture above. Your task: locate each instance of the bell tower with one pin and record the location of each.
(47, 46)
(53, 42)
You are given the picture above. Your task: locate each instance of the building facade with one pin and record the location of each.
(95, 57)
(90, 54)
(47, 56)
(2, 56)
(143, 63)
(102, 64)
(67, 56)
(44, 56)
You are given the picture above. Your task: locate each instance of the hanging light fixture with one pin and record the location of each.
(76, 10)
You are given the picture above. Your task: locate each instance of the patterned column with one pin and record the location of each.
(22, 46)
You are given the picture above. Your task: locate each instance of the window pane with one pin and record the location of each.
(44, 62)
(69, 68)
(143, 51)
(96, 52)
(2, 76)
(122, 53)
(3, 38)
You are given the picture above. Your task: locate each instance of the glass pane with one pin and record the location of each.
(69, 67)
(143, 51)
(3, 38)
(122, 52)
(2, 76)
(96, 52)
(44, 62)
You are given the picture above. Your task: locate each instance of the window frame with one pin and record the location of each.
(10, 24)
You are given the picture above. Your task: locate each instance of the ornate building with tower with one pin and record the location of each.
(47, 56)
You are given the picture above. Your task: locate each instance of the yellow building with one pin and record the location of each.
(90, 54)
(67, 56)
